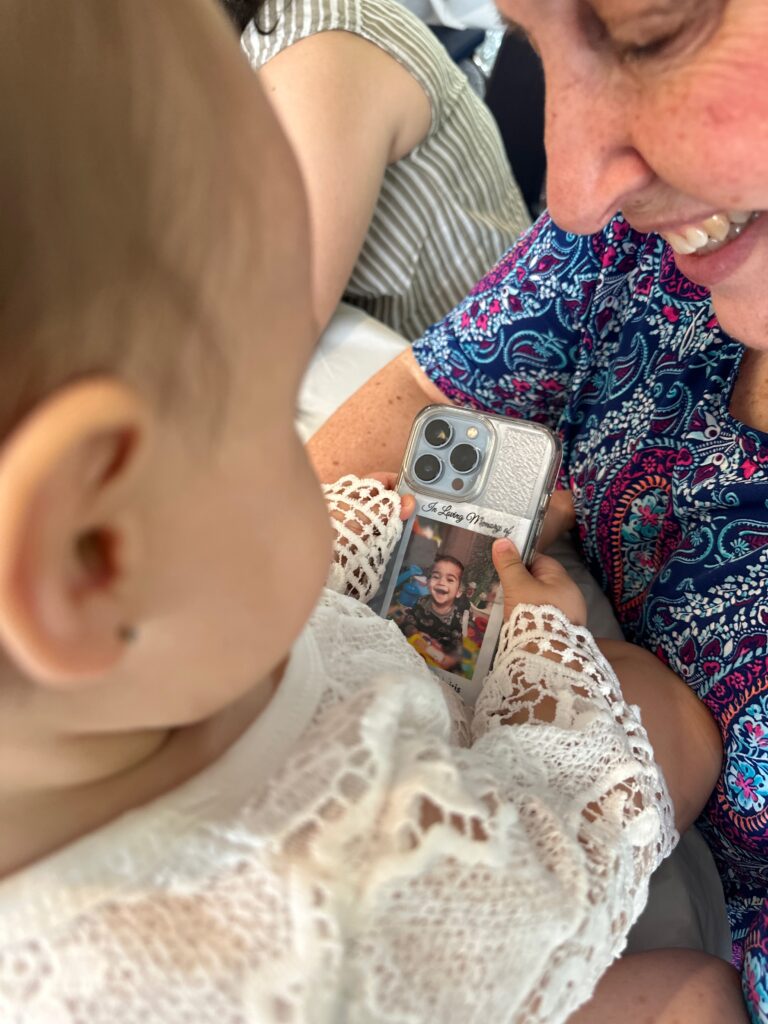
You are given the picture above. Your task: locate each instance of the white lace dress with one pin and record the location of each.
(367, 851)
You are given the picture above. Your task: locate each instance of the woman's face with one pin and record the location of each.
(659, 108)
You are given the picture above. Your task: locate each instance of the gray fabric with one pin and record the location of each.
(686, 907)
(446, 210)
(600, 618)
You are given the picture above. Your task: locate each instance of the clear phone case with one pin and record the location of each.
(475, 477)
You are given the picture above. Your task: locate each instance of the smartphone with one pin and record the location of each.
(475, 477)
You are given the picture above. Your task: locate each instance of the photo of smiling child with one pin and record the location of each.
(442, 572)
(434, 623)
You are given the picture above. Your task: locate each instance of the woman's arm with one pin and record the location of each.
(349, 109)
(370, 430)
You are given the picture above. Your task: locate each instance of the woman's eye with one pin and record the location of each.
(631, 53)
(678, 27)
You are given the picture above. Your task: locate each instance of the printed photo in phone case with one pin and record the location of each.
(444, 594)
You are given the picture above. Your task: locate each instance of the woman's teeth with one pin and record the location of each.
(710, 234)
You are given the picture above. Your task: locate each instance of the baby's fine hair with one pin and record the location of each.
(449, 558)
(114, 190)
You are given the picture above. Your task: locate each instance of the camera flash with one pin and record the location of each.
(472, 432)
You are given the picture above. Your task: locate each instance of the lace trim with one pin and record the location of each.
(549, 671)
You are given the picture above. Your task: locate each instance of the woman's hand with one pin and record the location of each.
(546, 582)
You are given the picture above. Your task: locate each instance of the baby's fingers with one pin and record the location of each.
(546, 582)
(506, 557)
(513, 574)
(560, 519)
(548, 570)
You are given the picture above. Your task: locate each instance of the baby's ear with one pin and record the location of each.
(70, 477)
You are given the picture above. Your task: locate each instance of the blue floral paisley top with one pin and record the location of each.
(602, 338)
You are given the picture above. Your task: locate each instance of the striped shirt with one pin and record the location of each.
(448, 209)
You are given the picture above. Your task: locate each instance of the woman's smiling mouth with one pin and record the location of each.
(712, 250)
(709, 235)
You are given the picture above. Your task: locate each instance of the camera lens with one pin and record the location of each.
(438, 433)
(428, 468)
(464, 458)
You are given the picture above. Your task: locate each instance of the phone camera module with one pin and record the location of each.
(438, 433)
(428, 468)
(464, 458)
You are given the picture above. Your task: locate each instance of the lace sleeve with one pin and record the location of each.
(497, 882)
(551, 677)
(383, 873)
(366, 521)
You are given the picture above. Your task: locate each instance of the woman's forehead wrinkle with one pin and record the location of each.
(637, 10)
(607, 10)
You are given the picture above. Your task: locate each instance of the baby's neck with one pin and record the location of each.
(58, 790)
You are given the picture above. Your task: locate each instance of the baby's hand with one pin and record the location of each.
(546, 582)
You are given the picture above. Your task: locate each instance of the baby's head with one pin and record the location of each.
(445, 581)
(154, 325)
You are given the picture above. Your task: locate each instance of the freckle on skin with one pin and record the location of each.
(717, 114)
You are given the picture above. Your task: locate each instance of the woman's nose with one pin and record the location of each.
(593, 166)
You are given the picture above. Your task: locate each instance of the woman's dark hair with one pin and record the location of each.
(242, 11)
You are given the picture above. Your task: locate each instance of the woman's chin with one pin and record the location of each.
(746, 322)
